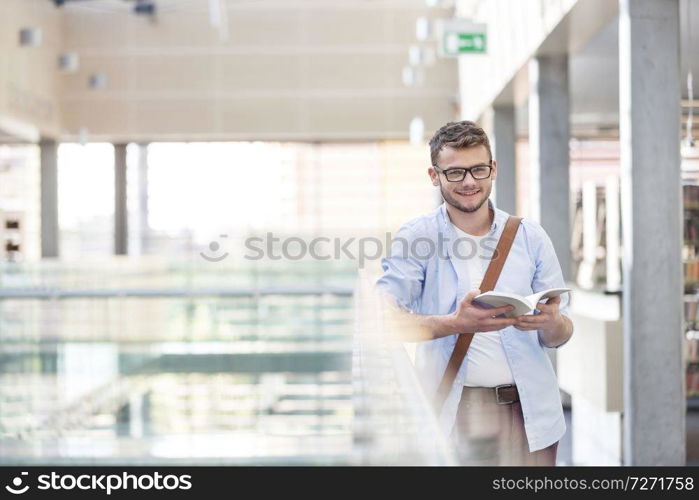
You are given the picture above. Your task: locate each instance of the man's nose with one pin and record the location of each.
(468, 180)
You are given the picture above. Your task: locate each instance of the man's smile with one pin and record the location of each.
(468, 194)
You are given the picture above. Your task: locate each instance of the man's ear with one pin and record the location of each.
(434, 176)
(494, 174)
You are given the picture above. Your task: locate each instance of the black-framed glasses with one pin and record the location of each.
(458, 174)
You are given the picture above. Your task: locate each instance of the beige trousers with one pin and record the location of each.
(486, 433)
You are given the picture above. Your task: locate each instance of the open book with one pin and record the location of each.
(522, 305)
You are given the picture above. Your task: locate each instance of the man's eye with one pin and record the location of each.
(479, 170)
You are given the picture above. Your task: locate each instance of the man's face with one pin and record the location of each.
(470, 194)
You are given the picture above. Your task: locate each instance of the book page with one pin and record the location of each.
(497, 299)
(535, 298)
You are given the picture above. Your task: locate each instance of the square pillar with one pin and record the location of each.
(549, 135)
(649, 119)
(504, 151)
(143, 197)
(121, 233)
(49, 198)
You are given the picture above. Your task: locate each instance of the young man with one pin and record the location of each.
(503, 407)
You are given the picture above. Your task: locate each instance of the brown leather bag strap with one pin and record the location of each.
(490, 278)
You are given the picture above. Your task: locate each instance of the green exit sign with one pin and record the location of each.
(459, 42)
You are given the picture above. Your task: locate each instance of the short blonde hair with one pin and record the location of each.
(463, 134)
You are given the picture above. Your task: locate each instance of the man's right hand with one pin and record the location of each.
(468, 317)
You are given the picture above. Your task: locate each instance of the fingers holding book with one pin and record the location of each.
(548, 318)
(469, 317)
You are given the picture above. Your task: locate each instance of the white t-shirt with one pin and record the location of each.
(487, 364)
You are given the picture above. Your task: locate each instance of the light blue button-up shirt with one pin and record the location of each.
(422, 279)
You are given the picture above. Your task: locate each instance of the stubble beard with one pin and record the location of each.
(456, 204)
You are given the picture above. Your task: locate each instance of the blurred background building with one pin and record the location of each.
(144, 142)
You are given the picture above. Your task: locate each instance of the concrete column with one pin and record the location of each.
(49, 198)
(649, 118)
(504, 139)
(549, 133)
(121, 243)
(143, 228)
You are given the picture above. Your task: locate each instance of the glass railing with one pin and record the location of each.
(154, 362)
(394, 423)
(166, 362)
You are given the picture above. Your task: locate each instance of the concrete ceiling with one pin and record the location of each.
(281, 70)
(594, 79)
(303, 70)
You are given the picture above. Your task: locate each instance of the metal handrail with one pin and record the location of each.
(49, 293)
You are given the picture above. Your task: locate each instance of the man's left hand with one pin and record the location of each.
(548, 320)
